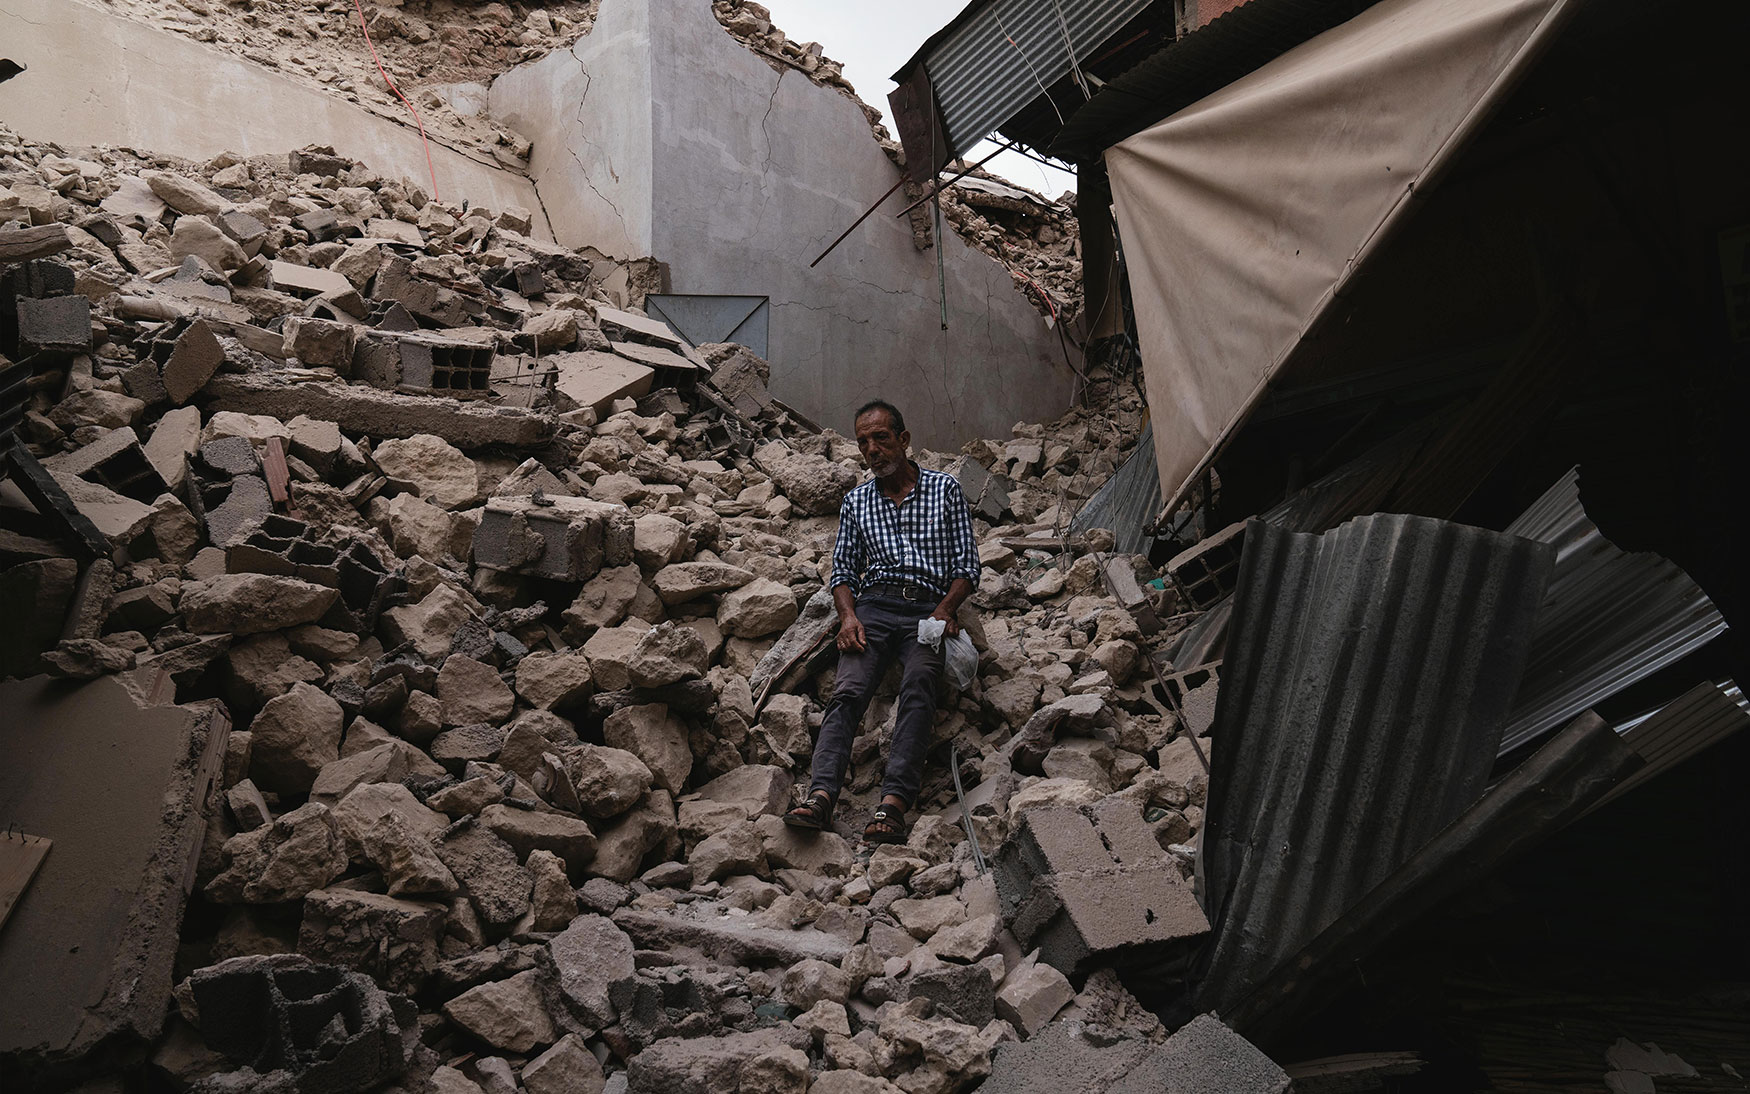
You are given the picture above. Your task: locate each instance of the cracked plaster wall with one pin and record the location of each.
(97, 78)
(587, 110)
(749, 174)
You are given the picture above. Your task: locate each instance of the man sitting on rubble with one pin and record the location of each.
(905, 553)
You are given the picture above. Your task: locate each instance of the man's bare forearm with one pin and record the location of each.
(958, 590)
(844, 601)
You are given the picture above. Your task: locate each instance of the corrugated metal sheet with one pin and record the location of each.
(995, 60)
(1695, 721)
(1127, 504)
(1204, 61)
(1611, 618)
(1365, 687)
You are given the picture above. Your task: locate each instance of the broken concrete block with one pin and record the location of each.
(609, 781)
(667, 654)
(472, 692)
(59, 324)
(757, 609)
(329, 1028)
(414, 526)
(307, 280)
(117, 461)
(686, 581)
(196, 357)
(394, 942)
(120, 519)
(1205, 1055)
(550, 681)
(294, 735)
(766, 1060)
(603, 602)
(319, 342)
(251, 603)
(1077, 887)
(487, 868)
(244, 510)
(566, 1068)
(527, 831)
(1031, 996)
(654, 736)
(589, 956)
(175, 439)
(297, 854)
(815, 484)
(564, 538)
(430, 624)
(506, 1014)
(193, 236)
(442, 474)
(359, 409)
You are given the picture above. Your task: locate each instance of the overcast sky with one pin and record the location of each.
(873, 40)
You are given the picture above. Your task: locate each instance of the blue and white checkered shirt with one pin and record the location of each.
(926, 541)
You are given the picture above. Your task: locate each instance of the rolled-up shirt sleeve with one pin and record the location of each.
(847, 551)
(958, 516)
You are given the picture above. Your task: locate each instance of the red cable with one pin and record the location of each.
(422, 140)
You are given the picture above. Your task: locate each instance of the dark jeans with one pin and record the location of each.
(890, 627)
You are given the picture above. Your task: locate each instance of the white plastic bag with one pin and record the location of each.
(960, 658)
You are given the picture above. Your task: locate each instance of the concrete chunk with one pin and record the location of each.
(1078, 888)
(564, 538)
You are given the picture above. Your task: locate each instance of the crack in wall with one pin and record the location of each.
(20, 18)
(766, 167)
(582, 135)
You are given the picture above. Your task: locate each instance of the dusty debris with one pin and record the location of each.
(489, 650)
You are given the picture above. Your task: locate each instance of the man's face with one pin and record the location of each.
(883, 450)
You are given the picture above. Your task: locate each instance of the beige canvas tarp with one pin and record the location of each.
(1245, 213)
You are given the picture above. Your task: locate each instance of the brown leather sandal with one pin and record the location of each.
(815, 812)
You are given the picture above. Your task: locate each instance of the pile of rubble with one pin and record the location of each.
(1037, 239)
(442, 53)
(516, 604)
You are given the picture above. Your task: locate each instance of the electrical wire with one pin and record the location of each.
(360, 7)
(1035, 72)
(978, 859)
(1070, 49)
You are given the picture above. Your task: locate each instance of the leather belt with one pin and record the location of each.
(919, 593)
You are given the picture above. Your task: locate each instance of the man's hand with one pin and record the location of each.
(946, 615)
(851, 637)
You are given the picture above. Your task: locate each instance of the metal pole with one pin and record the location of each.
(866, 214)
(940, 186)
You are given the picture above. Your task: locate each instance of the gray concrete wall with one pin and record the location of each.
(97, 78)
(588, 113)
(752, 173)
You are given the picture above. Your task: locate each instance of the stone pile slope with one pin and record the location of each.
(517, 607)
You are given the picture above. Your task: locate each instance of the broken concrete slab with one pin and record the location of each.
(732, 940)
(127, 814)
(366, 410)
(307, 280)
(1078, 886)
(594, 379)
(1204, 1055)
